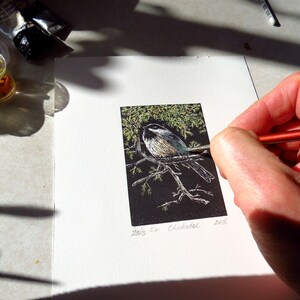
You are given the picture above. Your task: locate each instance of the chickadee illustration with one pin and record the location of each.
(162, 143)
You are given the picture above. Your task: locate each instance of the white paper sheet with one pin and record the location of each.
(94, 241)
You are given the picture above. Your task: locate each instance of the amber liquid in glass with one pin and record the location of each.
(7, 84)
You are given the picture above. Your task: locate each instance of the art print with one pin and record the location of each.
(166, 180)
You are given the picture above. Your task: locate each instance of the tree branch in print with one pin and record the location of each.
(164, 165)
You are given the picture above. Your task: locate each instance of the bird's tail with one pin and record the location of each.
(201, 171)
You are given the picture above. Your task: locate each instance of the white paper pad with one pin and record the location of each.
(94, 241)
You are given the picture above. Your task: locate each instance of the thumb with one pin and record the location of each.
(259, 180)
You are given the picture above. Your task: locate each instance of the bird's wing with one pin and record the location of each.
(177, 143)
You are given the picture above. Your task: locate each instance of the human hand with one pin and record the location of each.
(266, 182)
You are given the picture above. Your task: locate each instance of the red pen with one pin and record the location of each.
(280, 137)
(271, 138)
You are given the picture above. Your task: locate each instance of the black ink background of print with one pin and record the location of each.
(145, 209)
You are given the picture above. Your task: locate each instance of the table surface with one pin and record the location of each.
(109, 28)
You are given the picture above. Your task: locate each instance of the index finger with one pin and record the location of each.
(279, 106)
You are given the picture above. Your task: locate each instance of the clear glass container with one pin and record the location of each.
(7, 83)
